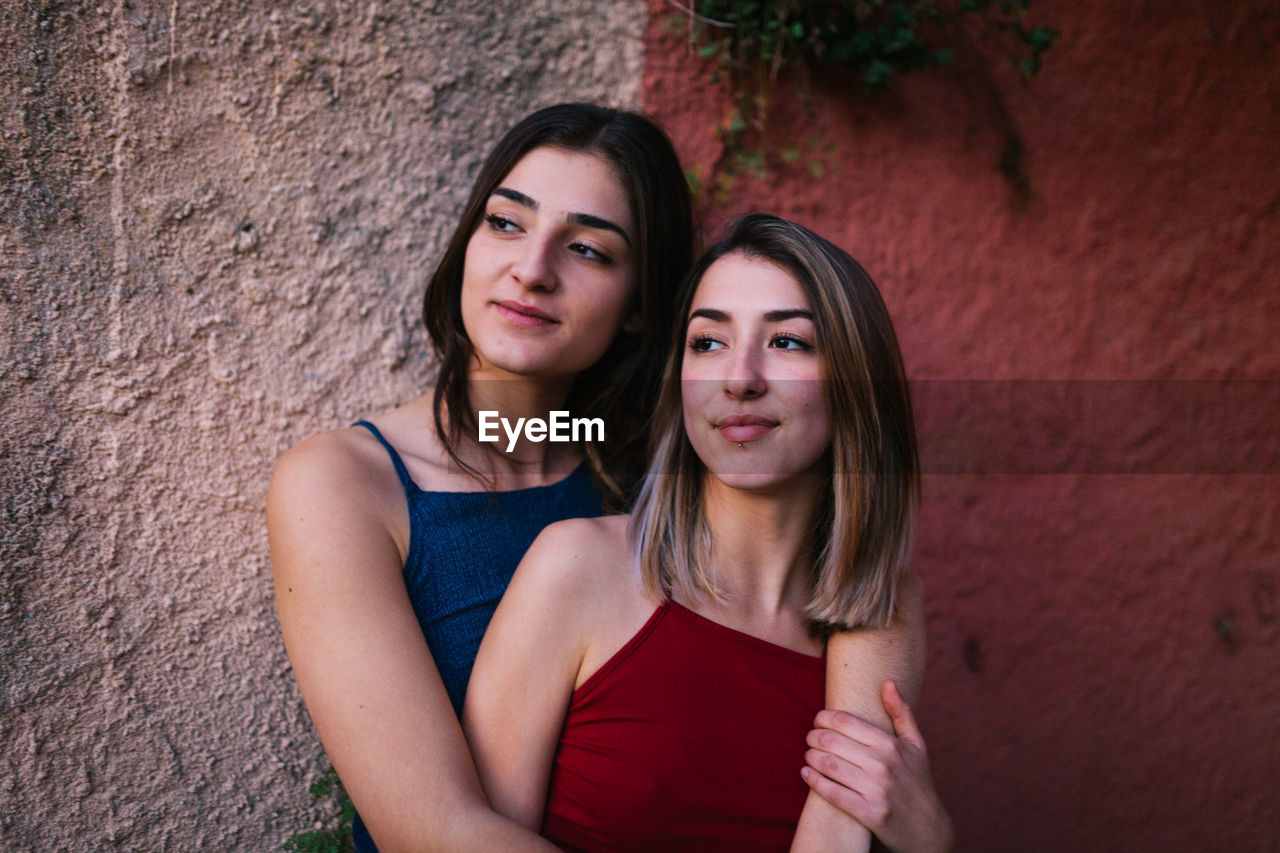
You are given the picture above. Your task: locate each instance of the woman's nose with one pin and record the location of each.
(745, 380)
(534, 268)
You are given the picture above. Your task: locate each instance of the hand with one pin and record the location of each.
(880, 779)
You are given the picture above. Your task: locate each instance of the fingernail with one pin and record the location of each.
(804, 773)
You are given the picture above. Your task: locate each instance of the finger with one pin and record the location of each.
(869, 757)
(871, 782)
(848, 801)
(853, 727)
(904, 721)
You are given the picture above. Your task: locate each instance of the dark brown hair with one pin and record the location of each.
(622, 387)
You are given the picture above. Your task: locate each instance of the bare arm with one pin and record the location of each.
(525, 672)
(881, 779)
(858, 664)
(361, 662)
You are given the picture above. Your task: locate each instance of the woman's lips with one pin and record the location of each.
(740, 428)
(522, 315)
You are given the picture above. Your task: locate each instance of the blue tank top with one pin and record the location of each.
(463, 549)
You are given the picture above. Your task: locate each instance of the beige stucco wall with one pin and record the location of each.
(215, 226)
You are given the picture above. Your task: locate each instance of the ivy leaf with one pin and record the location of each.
(1041, 38)
(878, 40)
(878, 74)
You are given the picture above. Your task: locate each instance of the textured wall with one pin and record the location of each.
(216, 220)
(1104, 668)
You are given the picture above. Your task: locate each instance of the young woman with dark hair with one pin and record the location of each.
(393, 540)
(619, 384)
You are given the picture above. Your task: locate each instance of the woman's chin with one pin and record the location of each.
(535, 359)
(759, 477)
(525, 365)
(749, 478)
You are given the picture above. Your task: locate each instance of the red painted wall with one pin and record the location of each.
(1101, 559)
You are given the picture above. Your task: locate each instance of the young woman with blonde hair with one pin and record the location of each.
(648, 681)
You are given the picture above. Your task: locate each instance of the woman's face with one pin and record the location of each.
(550, 270)
(752, 378)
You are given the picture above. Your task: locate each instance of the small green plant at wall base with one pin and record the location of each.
(752, 41)
(337, 839)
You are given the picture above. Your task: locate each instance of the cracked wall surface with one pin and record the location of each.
(215, 227)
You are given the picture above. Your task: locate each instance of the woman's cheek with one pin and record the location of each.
(603, 322)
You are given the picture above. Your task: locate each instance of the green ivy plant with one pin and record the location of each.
(337, 839)
(752, 41)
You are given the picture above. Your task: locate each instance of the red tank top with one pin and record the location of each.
(691, 738)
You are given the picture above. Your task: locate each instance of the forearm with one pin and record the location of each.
(868, 760)
(824, 827)
(523, 678)
(362, 665)
(469, 826)
(428, 803)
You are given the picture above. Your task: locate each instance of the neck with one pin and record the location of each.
(516, 400)
(761, 543)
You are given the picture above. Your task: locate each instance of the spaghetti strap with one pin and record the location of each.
(402, 472)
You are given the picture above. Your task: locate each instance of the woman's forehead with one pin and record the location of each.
(744, 284)
(560, 182)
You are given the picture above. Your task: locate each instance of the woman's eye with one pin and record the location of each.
(703, 343)
(590, 253)
(499, 223)
(790, 342)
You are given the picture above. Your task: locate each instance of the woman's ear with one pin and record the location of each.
(633, 325)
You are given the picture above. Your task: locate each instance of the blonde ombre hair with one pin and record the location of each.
(862, 536)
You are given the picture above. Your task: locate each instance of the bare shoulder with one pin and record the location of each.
(585, 566)
(349, 467)
(336, 513)
(585, 556)
(608, 532)
(343, 466)
(411, 430)
(326, 453)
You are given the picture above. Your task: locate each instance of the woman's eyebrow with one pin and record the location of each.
(717, 316)
(516, 196)
(587, 219)
(597, 222)
(788, 314)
